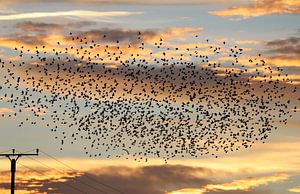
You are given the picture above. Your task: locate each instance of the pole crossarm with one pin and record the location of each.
(8, 155)
(18, 155)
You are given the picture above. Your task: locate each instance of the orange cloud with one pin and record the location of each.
(127, 179)
(29, 181)
(247, 42)
(261, 8)
(241, 184)
(6, 110)
(7, 191)
(25, 175)
(177, 31)
(295, 189)
(284, 61)
(247, 183)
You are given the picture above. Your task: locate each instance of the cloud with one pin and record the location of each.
(112, 35)
(41, 35)
(48, 34)
(7, 191)
(37, 27)
(261, 8)
(46, 27)
(251, 42)
(295, 189)
(131, 36)
(286, 47)
(246, 184)
(39, 32)
(6, 110)
(285, 53)
(73, 13)
(153, 179)
(28, 181)
(146, 180)
(177, 31)
(258, 191)
(284, 61)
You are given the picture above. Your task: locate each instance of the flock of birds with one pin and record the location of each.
(146, 100)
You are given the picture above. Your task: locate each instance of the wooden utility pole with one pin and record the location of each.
(13, 157)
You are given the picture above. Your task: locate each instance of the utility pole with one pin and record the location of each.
(13, 157)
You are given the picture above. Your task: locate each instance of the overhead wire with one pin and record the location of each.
(27, 151)
(75, 178)
(87, 175)
(43, 174)
(46, 166)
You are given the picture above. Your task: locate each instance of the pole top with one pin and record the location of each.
(14, 154)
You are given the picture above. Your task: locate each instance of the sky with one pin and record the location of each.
(267, 27)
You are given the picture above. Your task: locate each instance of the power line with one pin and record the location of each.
(41, 173)
(26, 151)
(87, 175)
(52, 168)
(82, 182)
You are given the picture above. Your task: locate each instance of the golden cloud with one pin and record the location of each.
(284, 61)
(188, 191)
(6, 110)
(25, 175)
(128, 179)
(241, 184)
(261, 8)
(7, 191)
(295, 189)
(29, 182)
(177, 31)
(247, 183)
(247, 42)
